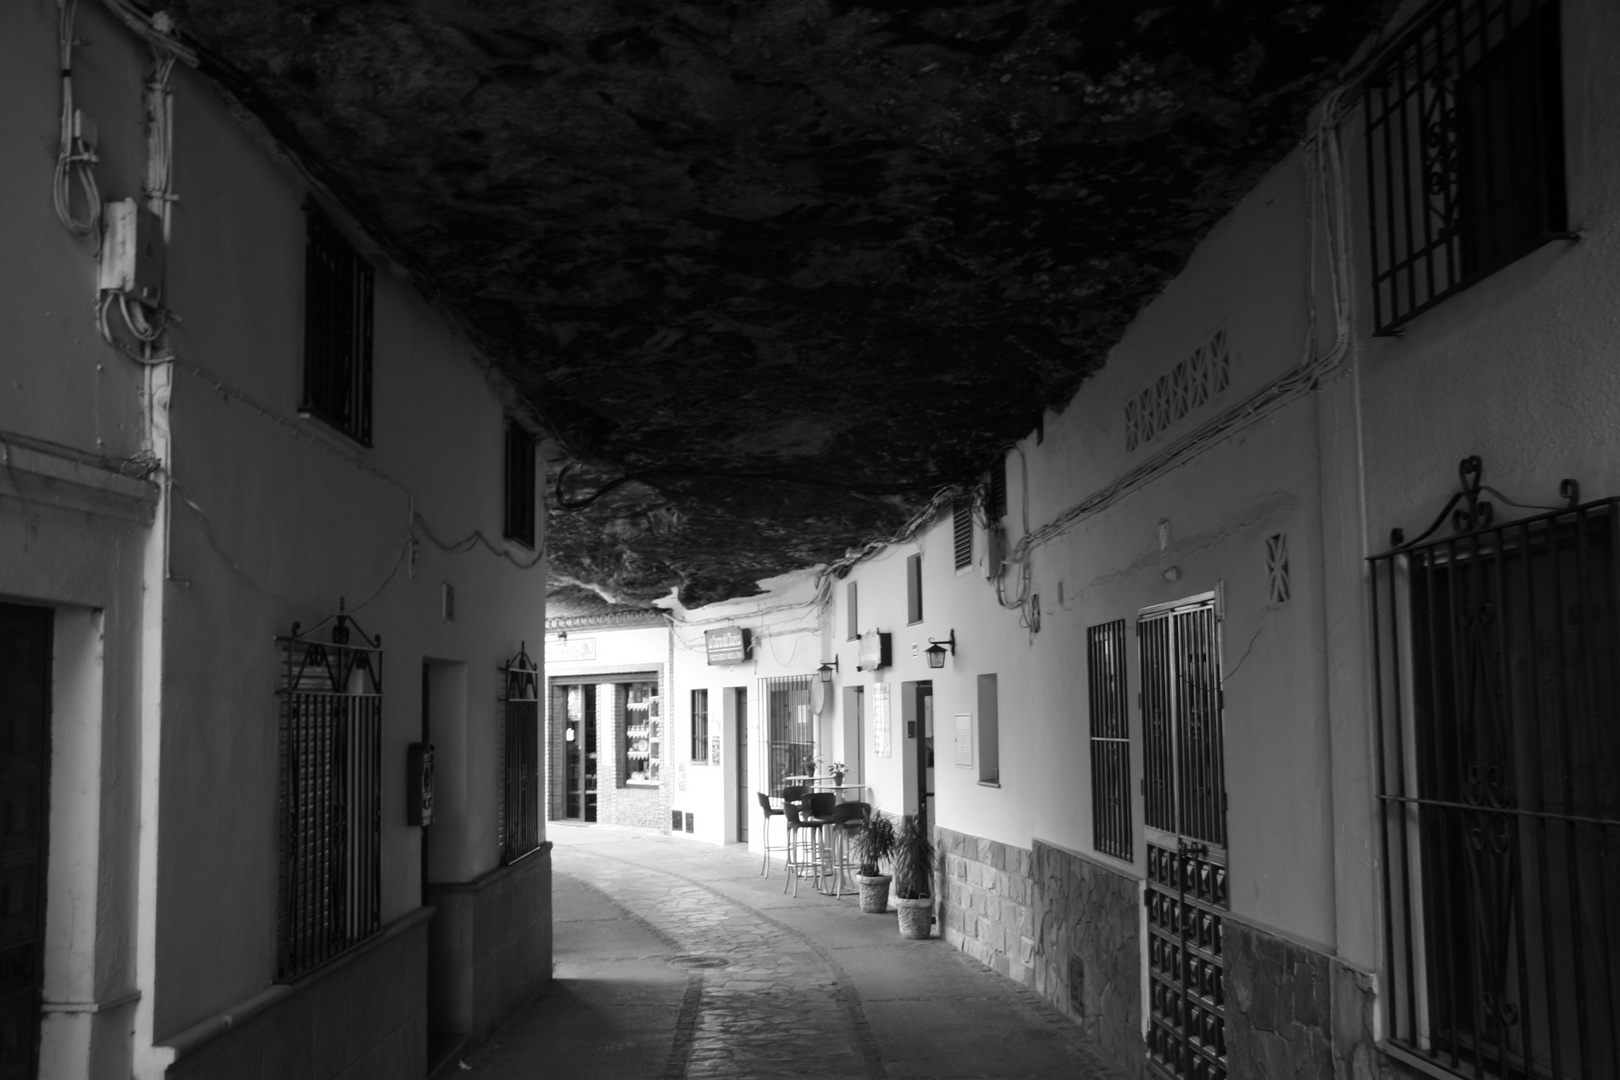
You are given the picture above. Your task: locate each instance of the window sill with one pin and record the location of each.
(990, 783)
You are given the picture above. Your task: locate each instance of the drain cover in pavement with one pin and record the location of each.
(700, 962)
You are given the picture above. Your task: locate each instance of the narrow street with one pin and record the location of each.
(802, 987)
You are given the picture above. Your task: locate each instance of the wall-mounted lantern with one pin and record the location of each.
(825, 671)
(936, 650)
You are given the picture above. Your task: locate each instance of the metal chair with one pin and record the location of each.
(845, 819)
(769, 811)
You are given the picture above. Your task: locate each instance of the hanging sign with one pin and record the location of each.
(729, 645)
(874, 651)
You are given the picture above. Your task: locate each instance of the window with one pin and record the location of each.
(1110, 741)
(914, 607)
(643, 732)
(996, 497)
(519, 517)
(1465, 150)
(700, 727)
(519, 827)
(852, 629)
(791, 745)
(989, 732)
(1498, 694)
(337, 329)
(962, 533)
(329, 805)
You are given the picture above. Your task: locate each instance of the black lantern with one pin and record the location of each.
(936, 650)
(825, 671)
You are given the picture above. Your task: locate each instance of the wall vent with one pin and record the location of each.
(1185, 387)
(1277, 584)
(962, 533)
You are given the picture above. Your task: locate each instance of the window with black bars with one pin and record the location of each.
(962, 533)
(996, 496)
(1497, 689)
(337, 329)
(328, 797)
(1465, 150)
(519, 516)
(700, 727)
(1110, 740)
(789, 727)
(519, 827)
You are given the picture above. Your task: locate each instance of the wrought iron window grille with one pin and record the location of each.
(329, 795)
(338, 313)
(789, 727)
(1465, 150)
(1497, 733)
(518, 832)
(700, 727)
(1110, 741)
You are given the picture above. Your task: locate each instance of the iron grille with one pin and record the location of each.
(329, 805)
(700, 727)
(962, 533)
(791, 739)
(1465, 150)
(337, 329)
(1110, 740)
(1186, 888)
(519, 516)
(1498, 738)
(519, 830)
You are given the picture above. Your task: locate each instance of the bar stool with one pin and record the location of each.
(769, 811)
(804, 842)
(846, 818)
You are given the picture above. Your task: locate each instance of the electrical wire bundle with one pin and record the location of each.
(75, 154)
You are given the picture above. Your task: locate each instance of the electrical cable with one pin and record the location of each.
(74, 157)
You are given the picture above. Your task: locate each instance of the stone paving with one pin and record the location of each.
(801, 987)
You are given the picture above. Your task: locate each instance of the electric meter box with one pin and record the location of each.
(133, 256)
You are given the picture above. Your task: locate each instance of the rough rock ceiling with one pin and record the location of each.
(788, 265)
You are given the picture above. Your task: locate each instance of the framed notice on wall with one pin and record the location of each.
(880, 719)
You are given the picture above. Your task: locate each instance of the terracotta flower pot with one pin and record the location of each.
(874, 893)
(916, 916)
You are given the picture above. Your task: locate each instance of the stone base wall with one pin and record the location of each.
(1088, 950)
(490, 945)
(361, 1017)
(984, 906)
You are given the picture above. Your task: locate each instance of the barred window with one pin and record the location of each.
(1498, 730)
(519, 516)
(700, 727)
(520, 758)
(1465, 150)
(337, 329)
(1110, 740)
(328, 793)
(790, 735)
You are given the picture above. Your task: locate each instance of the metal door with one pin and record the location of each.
(1184, 786)
(25, 671)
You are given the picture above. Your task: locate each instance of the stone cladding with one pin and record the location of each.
(985, 905)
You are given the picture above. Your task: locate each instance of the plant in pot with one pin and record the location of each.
(874, 846)
(914, 877)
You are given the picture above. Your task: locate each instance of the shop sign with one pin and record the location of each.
(729, 645)
(571, 649)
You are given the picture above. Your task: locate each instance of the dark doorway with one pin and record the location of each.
(25, 718)
(739, 761)
(579, 752)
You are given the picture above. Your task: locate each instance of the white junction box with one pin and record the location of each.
(132, 251)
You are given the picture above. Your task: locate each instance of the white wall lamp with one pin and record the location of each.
(936, 650)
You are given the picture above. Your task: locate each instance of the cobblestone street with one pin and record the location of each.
(800, 987)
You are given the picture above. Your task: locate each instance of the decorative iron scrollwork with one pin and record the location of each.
(1474, 513)
(337, 662)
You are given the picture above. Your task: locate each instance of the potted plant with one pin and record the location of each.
(874, 846)
(914, 877)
